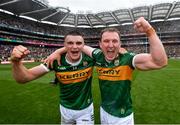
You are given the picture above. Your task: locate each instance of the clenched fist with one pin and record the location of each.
(142, 25)
(19, 52)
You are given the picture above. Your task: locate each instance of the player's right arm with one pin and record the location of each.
(20, 73)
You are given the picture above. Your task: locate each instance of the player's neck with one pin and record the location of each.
(73, 62)
(109, 61)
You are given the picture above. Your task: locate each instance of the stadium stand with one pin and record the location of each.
(43, 38)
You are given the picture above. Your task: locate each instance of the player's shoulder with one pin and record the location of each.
(86, 57)
(126, 54)
(97, 51)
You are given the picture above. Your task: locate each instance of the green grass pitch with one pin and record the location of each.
(155, 94)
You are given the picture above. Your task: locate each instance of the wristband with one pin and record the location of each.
(150, 32)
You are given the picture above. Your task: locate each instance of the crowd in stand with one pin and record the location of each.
(38, 44)
(39, 41)
(36, 53)
(173, 50)
(34, 26)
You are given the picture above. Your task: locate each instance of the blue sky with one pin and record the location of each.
(95, 6)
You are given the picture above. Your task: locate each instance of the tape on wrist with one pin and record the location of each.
(150, 32)
(12, 59)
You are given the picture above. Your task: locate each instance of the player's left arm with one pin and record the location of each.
(157, 57)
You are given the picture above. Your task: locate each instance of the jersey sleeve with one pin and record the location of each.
(130, 58)
(96, 54)
(55, 63)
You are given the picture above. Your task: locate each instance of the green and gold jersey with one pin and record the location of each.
(115, 83)
(75, 82)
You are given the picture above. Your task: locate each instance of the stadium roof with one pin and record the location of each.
(63, 16)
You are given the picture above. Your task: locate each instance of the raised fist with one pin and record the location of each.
(142, 25)
(19, 52)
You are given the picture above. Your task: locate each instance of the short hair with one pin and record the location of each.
(109, 30)
(73, 33)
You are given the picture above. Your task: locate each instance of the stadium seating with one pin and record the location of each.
(43, 39)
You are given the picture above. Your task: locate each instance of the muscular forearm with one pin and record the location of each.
(20, 73)
(157, 51)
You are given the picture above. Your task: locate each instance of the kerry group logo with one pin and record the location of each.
(74, 76)
(115, 74)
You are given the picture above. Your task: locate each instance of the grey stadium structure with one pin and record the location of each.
(41, 27)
